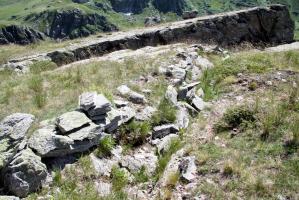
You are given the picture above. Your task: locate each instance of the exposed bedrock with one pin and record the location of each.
(19, 35)
(272, 25)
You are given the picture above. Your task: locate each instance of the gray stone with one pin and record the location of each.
(13, 130)
(46, 143)
(188, 169)
(198, 103)
(113, 120)
(145, 114)
(25, 173)
(71, 121)
(164, 130)
(87, 100)
(86, 138)
(101, 106)
(171, 95)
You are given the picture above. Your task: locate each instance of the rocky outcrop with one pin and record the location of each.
(13, 131)
(129, 6)
(19, 35)
(271, 25)
(70, 23)
(25, 173)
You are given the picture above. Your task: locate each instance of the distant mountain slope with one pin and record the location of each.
(90, 16)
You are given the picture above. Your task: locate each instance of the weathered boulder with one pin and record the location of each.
(19, 35)
(13, 130)
(71, 121)
(25, 173)
(164, 130)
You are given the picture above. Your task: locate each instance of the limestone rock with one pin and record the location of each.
(171, 95)
(71, 121)
(25, 173)
(188, 169)
(164, 130)
(13, 129)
